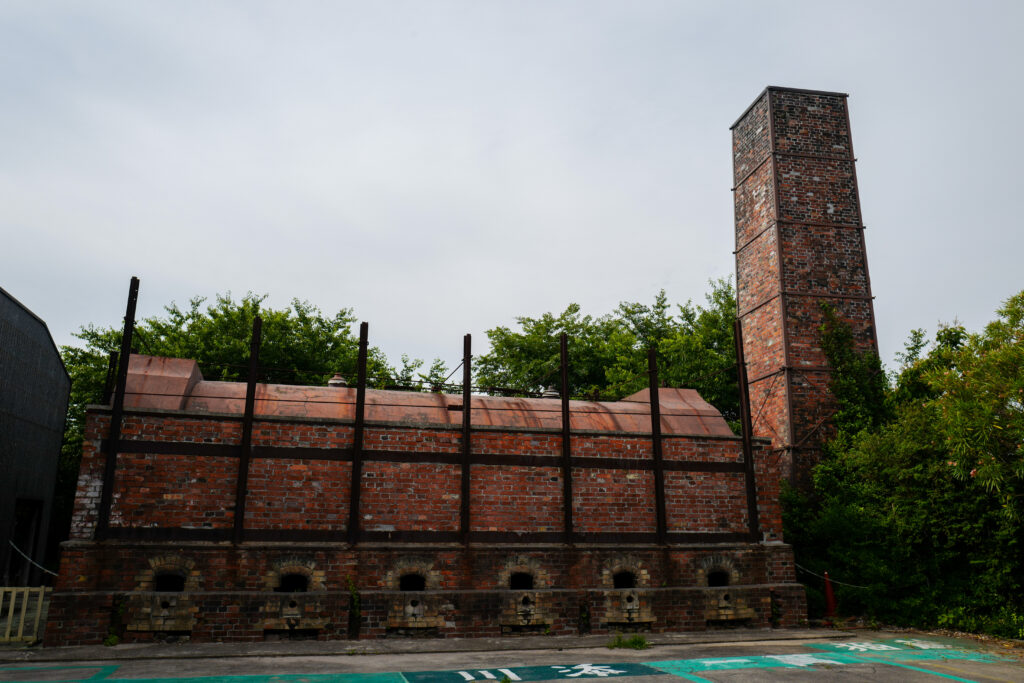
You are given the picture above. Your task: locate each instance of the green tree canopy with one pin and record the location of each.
(920, 500)
(608, 354)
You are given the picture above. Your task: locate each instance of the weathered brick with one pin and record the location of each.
(799, 243)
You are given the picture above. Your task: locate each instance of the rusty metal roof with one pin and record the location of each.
(177, 384)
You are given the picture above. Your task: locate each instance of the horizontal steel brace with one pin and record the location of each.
(192, 449)
(410, 536)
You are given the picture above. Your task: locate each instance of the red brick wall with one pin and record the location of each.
(515, 498)
(409, 497)
(294, 435)
(311, 492)
(701, 449)
(706, 501)
(296, 494)
(180, 428)
(521, 443)
(230, 597)
(413, 439)
(612, 500)
(173, 490)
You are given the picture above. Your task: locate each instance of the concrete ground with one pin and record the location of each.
(742, 655)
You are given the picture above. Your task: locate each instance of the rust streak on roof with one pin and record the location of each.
(177, 384)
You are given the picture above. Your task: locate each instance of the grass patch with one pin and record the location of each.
(634, 642)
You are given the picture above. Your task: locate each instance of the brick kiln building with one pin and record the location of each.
(243, 511)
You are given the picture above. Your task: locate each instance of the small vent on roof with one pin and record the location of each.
(550, 392)
(337, 381)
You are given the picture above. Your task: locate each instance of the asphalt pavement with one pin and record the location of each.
(742, 655)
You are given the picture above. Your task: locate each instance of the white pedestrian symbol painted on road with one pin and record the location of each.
(599, 670)
(487, 675)
(866, 645)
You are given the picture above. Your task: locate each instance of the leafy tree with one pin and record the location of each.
(911, 382)
(696, 349)
(920, 501)
(608, 354)
(858, 382)
(529, 360)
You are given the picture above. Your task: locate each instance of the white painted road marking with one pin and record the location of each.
(506, 673)
(600, 670)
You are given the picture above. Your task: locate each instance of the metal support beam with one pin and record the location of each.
(566, 444)
(357, 438)
(753, 520)
(245, 446)
(659, 470)
(116, 413)
(467, 426)
(108, 383)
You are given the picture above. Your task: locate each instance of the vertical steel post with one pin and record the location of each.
(245, 447)
(108, 383)
(659, 471)
(116, 412)
(753, 520)
(357, 438)
(566, 444)
(467, 397)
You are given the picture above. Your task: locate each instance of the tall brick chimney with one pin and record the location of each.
(799, 242)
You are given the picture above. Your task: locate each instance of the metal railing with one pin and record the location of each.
(22, 614)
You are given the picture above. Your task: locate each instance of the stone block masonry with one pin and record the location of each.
(799, 244)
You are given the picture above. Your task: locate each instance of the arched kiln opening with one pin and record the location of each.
(412, 582)
(293, 583)
(717, 578)
(521, 581)
(624, 580)
(169, 582)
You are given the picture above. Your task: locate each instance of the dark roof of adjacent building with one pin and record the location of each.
(41, 325)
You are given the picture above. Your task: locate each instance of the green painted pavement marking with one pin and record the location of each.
(680, 667)
(568, 672)
(889, 662)
(102, 672)
(692, 677)
(906, 656)
(894, 656)
(262, 678)
(275, 678)
(897, 652)
(890, 645)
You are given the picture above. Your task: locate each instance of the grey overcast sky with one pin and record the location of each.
(443, 167)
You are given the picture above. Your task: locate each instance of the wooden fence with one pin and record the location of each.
(22, 614)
